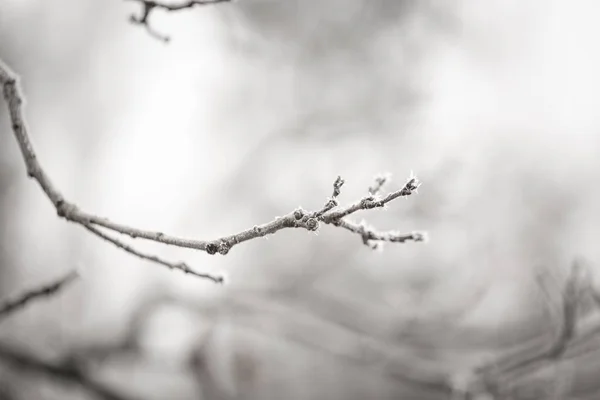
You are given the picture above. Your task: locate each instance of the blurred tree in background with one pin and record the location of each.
(251, 110)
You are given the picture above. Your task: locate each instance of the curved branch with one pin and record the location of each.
(330, 213)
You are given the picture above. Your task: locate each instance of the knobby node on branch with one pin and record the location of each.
(331, 213)
(148, 6)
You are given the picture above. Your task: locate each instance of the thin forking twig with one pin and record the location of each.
(150, 5)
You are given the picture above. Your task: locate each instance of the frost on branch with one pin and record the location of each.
(331, 213)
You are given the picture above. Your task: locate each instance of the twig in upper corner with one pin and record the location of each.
(369, 235)
(10, 306)
(149, 5)
(14, 98)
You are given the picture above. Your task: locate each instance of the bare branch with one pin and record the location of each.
(332, 202)
(367, 234)
(10, 306)
(296, 219)
(301, 218)
(148, 6)
(68, 373)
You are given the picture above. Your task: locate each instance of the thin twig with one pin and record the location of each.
(369, 235)
(68, 373)
(369, 202)
(10, 306)
(181, 266)
(148, 6)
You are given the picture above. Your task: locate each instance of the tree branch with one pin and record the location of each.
(148, 6)
(10, 306)
(330, 213)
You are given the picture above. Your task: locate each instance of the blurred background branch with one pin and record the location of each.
(9, 306)
(66, 373)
